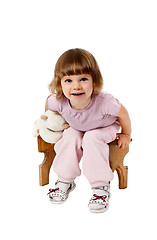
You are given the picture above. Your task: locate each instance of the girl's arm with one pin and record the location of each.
(125, 135)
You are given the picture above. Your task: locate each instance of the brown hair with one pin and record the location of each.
(74, 62)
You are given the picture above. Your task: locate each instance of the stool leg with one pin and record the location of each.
(122, 172)
(44, 168)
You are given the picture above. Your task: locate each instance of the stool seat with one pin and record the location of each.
(116, 159)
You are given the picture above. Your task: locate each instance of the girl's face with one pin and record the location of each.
(78, 89)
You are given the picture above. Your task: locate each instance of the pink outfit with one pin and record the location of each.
(90, 131)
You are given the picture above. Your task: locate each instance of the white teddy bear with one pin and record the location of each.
(50, 126)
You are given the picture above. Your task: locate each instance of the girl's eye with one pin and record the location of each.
(68, 80)
(84, 79)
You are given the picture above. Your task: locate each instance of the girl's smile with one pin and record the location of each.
(78, 89)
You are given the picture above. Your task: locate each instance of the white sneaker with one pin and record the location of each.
(100, 199)
(61, 191)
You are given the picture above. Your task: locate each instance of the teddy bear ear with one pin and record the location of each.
(44, 117)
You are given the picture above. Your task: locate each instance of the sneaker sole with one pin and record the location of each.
(101, 210)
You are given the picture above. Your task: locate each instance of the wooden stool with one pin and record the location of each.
(116, 157)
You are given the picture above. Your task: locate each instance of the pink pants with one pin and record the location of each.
(92, 147)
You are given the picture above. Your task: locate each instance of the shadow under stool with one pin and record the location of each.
(116, 159)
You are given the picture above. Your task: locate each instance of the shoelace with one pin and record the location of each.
(103, 197)
(52, 190)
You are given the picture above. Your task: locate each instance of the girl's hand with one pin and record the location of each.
(123, 140)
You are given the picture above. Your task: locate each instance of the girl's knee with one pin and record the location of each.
(99, 135)
(71, 133)
(71, 138)
(90, 136)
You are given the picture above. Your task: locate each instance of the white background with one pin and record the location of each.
(122, 35)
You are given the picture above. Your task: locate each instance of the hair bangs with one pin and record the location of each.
(74, 63)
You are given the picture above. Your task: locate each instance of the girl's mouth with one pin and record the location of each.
(77, 94)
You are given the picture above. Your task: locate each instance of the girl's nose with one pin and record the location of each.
(77, 85)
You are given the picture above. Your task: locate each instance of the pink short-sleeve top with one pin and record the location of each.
(101, 112)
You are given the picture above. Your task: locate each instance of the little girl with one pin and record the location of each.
(94, 118)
